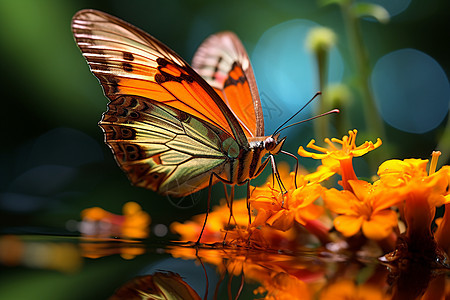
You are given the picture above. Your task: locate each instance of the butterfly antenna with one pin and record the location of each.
(293, 116)
(333, 111)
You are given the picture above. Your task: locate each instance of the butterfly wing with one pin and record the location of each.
(223, 62)
(128, 61)
(162, 148)
(169, 130)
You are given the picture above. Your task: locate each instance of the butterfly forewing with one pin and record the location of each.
(223, 62)
(128, 61)
(162, 148)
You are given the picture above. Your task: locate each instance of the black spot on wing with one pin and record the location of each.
(162, 62)
(127, 67)
(216, 68)
(133, 102)
(128, 56)
(234, 81)
(159, 78)
(163, 76)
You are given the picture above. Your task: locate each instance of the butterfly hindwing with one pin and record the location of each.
(223, 62)
(162, 148)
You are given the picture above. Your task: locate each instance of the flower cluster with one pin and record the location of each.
(294, 212)
(398, 207)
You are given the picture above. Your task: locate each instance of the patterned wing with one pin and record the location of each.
(162, 148)
(223, 62)
(128, 61)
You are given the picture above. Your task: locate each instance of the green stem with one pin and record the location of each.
(374, 123)
(321, 125)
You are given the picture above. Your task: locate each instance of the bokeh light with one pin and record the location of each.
(411, 90)
(286, 72)
(393, 7)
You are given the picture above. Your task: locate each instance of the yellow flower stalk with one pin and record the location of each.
(343, 154)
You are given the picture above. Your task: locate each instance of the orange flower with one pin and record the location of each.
(344, 155)
(236, 231)
(134, 223)
(218, 224)
(273, 215)
(422, 193)
(367, 207)
(280, 211)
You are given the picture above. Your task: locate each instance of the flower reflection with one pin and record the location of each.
(348, 289)
(279, 276)
(36, 254)
(92, 247)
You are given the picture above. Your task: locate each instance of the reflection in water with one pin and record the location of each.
(157, 286)
(243, 273)
(39, 253)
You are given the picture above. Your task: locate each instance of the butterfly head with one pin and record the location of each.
(273, 144)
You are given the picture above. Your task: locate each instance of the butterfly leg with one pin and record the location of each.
(208, 207)
(296, 165)
(277, 175)
(209, 201)
(248, 204)
(249, 213)
(230, 199)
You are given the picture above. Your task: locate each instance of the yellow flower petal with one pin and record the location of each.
(322, 173)
(261, 217)
(311, 212)
(347, 151)
(282, 220)
(362, 189)
(348, 225)
(305, 196)
(339, 201)
(380, 225)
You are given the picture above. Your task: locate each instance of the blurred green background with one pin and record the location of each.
(53, 162)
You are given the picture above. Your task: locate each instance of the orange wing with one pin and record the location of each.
(223, 62)
(128, 61)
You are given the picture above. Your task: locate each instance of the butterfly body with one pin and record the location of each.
(172, 129)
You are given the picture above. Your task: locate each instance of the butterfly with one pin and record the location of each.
(173, 128)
